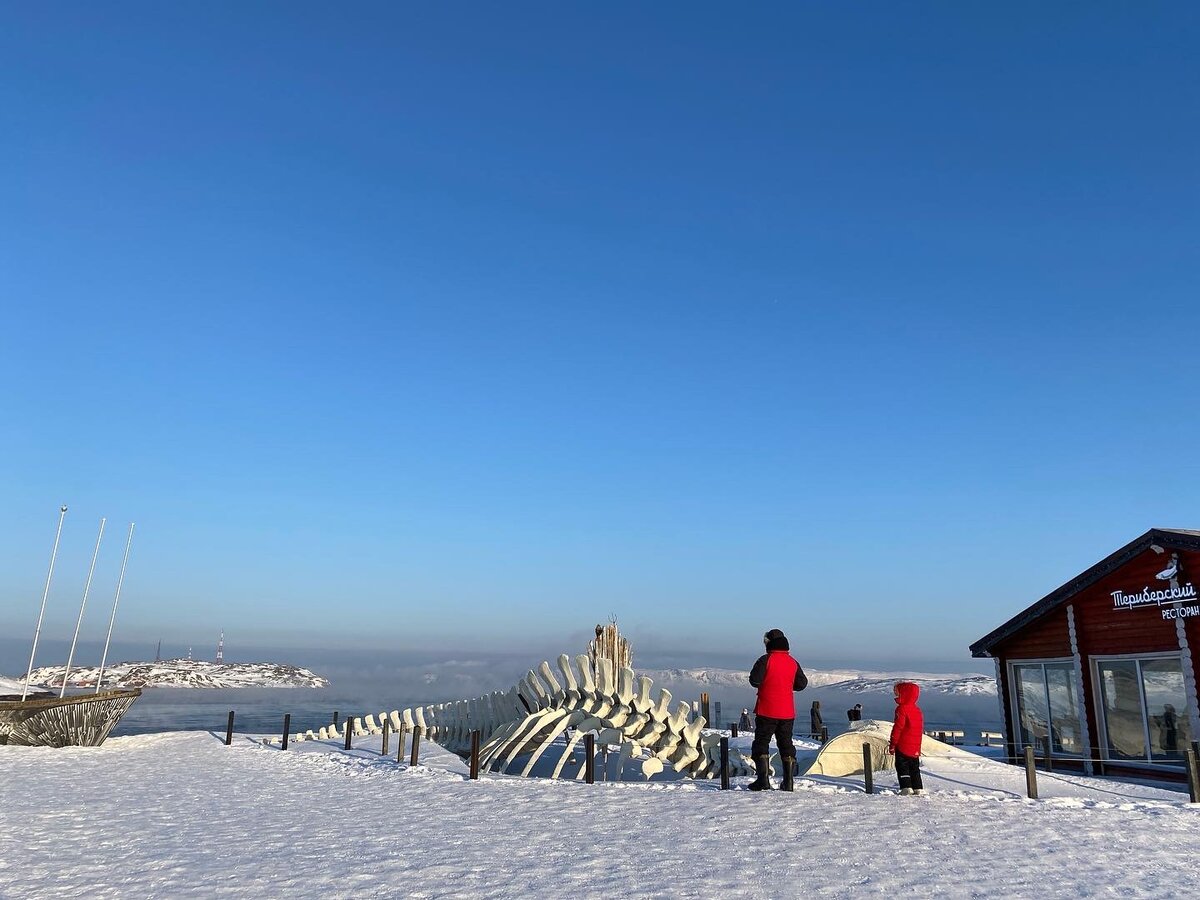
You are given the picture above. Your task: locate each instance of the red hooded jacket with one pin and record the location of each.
(909, 725)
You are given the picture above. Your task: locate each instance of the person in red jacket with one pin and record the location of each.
(776, 675)
(907, 731)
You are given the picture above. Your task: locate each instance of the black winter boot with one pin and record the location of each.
(762, 765)
(789, 766)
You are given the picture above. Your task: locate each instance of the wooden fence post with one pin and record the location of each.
(1193, 775)
(387, 733)
(589, 763)
(401, 736)
(475, 755)
(1030, 774)
(349, 730)
(287, 727)
(704, 706)
(229, 730)
(416, 751)
(724, 763)
(824, 735)
(335, 719)
(733, 729)
(868, 772)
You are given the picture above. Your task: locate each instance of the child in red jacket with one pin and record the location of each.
(907, 731)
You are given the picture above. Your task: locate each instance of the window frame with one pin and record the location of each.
(1148, 761)
(1014, 703)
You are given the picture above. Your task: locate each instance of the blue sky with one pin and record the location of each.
(401, 326)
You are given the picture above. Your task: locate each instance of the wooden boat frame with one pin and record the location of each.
(81, 720)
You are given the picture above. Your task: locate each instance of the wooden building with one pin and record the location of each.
(1103, 670)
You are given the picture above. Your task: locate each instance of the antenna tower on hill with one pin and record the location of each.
(221, 648)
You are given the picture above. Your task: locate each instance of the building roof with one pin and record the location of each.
(1167, 538)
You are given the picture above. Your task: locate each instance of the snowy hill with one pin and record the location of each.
(848, 680)
(189, 673)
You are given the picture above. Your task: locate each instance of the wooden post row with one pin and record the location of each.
(1030, 774)
(400, 738)
(416, 751)
(387, 733)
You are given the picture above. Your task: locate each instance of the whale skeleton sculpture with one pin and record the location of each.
(548, 710)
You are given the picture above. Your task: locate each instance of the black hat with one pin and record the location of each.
(776, 640)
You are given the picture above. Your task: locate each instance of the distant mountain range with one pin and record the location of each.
(848, 680)
(188, 673)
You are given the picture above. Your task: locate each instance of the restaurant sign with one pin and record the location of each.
(1171, 600)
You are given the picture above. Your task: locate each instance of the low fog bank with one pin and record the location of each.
(367, 680)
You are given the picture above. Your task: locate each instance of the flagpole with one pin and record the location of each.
(86, 590)
(113, 617)
(46, 593)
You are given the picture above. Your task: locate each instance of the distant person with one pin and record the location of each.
(905, 742)
(776, 675)
(1170, 730)
(814, 718)
(744, 723)
(854, 713)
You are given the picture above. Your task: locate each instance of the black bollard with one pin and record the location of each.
(229, 730)
(589, 762)
(349, 730)
(868, 770)
(335, 719)
(824, 735)
(416, 751)
(475, 755)
(733, 732)
(1193, 775)
(387, 733)
(400, 738)
(724, 763)
(287, 727)
(1030, 774)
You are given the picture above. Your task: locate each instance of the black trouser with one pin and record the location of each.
(780, 729)
(908, 770)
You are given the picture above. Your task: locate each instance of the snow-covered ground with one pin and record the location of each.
(181, 815)
(189, 673)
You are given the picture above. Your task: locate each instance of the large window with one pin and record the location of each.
(1144, 708)
(1047, 707)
